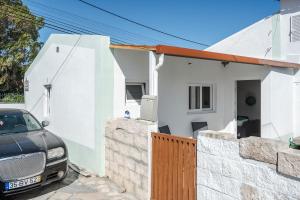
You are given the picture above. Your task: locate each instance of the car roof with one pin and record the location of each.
(11, 110)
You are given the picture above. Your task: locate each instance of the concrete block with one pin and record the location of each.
(289, 162)
(145, 157)
(135, 153)
(129, 186)
(223, 148)
(141, 193)
(130, 164)
(226, 185)
(248, 192)
(135, 178)
(142, 169)
(141, 142)
(206, 193)
(145, 183)
(261, 149)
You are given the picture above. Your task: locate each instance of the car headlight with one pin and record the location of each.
(56, 153)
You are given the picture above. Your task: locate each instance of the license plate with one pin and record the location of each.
(22, 183)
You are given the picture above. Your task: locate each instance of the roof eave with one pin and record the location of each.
(207, 55)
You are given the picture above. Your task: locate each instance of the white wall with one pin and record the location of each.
(175, 75)
(296, 99)
(69, 72)
(129, 66)
(267, 38)
(73, 107)
(253, 41)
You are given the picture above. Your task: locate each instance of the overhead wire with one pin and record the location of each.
(134, 37)
(141, 24)
(57, 25)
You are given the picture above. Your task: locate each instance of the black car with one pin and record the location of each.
(30, 156)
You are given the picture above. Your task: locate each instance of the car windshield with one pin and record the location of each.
(18, 122)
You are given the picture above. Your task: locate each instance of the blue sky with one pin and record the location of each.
(202, 21)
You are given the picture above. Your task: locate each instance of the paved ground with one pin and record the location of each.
(77, 187)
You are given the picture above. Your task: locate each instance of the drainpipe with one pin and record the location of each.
(153, 74)
(153, 90)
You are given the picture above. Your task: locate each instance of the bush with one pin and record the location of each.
(12, 98)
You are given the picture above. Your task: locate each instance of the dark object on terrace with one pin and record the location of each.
(164, 129)
(294, 143)
(249, 128)
(199, 126)
(30, 156)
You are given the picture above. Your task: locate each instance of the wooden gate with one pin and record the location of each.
(173, 167)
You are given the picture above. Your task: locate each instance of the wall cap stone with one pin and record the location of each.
(217, 135)
(261, 149)
(289, 162)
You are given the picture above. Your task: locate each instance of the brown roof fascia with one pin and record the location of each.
(192, 53)
(206, 55)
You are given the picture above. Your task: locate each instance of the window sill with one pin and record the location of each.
(200, 111)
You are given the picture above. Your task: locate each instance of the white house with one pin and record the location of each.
(78, 82)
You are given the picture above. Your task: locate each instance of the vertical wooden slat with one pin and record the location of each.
(154, 167)
(173, 168)
(165, 168)
(170, 171)
(194, 172)
(161, 169)
(185, 170)
(180, 170)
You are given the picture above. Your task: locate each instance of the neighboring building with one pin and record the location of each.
(275, 37)
(78, 82)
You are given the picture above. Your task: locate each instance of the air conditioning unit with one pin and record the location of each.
(149, 108)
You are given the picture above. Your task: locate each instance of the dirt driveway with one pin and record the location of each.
(77, 187)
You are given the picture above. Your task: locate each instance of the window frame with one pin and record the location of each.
(143, 85)
(212, 97)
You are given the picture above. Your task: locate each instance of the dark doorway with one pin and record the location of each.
(248, 108)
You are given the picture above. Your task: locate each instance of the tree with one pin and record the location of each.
(18, 43)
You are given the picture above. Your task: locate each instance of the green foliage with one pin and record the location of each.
(13, 98)
(18, 43)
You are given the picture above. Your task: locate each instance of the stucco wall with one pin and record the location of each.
(129, 66)
(176, 73)
(174, 77)
(253, 41)
(81, 74)
(223, 174)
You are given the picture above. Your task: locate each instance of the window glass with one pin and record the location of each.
(194, 97)
(17, 123)
(206, 97)
(200, 97)
(134, 92)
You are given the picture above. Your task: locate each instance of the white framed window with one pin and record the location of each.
(135, 92)
(201, 97)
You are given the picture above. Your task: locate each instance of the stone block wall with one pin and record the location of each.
(252, 168)
(127, 154)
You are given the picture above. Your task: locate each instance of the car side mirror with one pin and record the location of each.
(45, 123)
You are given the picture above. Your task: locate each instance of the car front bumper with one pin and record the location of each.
(50, 175)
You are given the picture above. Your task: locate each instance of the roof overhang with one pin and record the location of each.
(206, 55)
